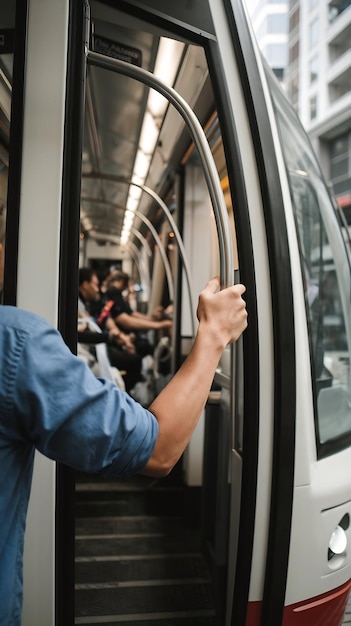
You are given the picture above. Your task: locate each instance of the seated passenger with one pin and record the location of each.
(119, 346)
(97, 360)
(117, 307)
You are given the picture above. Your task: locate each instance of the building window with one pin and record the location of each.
(340, 171)
(294, 18)
(294, 52)
(314, 32)
(313, 69)
(279, 72)
(336, 7)
(340, 86)
(293, 90)
(340, 158)
(313, 107)
(276, 54)
(340, 44)
(277, 23)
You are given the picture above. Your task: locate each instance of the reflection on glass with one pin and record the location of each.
(7, 23)
(327, 279)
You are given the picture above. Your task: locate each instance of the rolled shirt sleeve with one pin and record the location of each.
(73, 417)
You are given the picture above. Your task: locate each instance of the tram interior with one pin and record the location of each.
(141, 530)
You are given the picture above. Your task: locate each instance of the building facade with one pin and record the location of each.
(314, 49)
(318, 82)
(270, 21)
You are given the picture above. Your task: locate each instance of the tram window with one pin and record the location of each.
(327, 283)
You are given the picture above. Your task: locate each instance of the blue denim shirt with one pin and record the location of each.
(50, 401)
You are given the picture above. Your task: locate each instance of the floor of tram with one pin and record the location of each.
(139, 557)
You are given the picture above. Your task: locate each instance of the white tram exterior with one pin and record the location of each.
(248, 199)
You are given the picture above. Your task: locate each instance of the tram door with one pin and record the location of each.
(289, 529)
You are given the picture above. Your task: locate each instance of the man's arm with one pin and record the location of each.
(92, 338)
(135, 322)
(222, 318)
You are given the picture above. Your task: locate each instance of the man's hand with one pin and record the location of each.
(122, 340)
(127, 342)
(222, 313)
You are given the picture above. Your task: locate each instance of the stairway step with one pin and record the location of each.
(127, 524)
(163, 599)
(121, 503)
(138, 561)
(150, 568)
(192, 619)
(157, 543)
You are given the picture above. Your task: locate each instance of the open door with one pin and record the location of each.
(303, 438)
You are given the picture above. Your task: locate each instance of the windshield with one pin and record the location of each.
(326, 272)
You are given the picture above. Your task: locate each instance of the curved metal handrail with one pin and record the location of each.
(142, 241)
(154, 233)
(174, 226)
(134, 253)
(211, 174)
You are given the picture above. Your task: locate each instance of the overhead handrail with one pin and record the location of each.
(155, 235)
(142, 241)
(145, 278)
(134, 253)
(182, 252)
(199, 138)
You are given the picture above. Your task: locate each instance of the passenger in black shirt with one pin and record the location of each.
(117, 307)
(120, 348)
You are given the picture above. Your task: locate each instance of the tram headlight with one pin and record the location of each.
(337, 542)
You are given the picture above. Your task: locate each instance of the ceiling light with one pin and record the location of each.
(134, 191)
(166, 67)
(128, 218)
(167, 64)
(149, 134)
(132, 204)
(142, 163)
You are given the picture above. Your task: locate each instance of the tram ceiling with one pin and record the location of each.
(131, 132)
